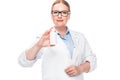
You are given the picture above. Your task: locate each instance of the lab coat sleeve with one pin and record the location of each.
(89, 56)
(29, 63)
(24, 62)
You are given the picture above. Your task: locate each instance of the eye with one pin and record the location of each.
(64, 12)
(55, 12)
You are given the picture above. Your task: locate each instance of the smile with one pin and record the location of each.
(59, 20)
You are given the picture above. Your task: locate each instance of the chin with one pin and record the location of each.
(59, 26)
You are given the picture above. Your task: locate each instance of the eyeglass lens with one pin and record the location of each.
(63, 13)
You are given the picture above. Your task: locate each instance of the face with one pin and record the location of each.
(60, 15)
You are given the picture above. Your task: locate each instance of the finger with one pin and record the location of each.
(46, 32)
(51, 28)
(69, 69)
(71, 73)
(47, 42)
(46, 37)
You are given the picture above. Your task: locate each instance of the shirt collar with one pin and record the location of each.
(67, 32)
(66, 35)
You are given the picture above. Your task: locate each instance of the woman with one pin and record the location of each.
(69, 58)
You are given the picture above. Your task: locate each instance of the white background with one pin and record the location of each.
(22, 20)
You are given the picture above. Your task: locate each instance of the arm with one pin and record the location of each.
(75, 70)
(88, 61)
(28, 57)
(32, 52)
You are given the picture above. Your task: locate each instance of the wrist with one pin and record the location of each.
(38, 45)
(85, 67)
(81, 68)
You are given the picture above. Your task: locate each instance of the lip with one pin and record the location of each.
(59, 20)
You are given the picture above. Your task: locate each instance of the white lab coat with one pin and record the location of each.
(56, 59)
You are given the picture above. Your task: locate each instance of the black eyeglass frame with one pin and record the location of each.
(60, 12)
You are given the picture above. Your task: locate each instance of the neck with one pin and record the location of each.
(61, 30)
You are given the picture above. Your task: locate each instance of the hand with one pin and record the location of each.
(74, 70)
(45, 39)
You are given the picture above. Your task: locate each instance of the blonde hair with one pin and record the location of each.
(61, 1)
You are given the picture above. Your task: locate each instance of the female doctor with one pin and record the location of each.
(69, 58)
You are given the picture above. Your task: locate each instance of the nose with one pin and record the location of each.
(60, 14)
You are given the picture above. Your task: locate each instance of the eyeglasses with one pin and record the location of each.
(63, 13)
